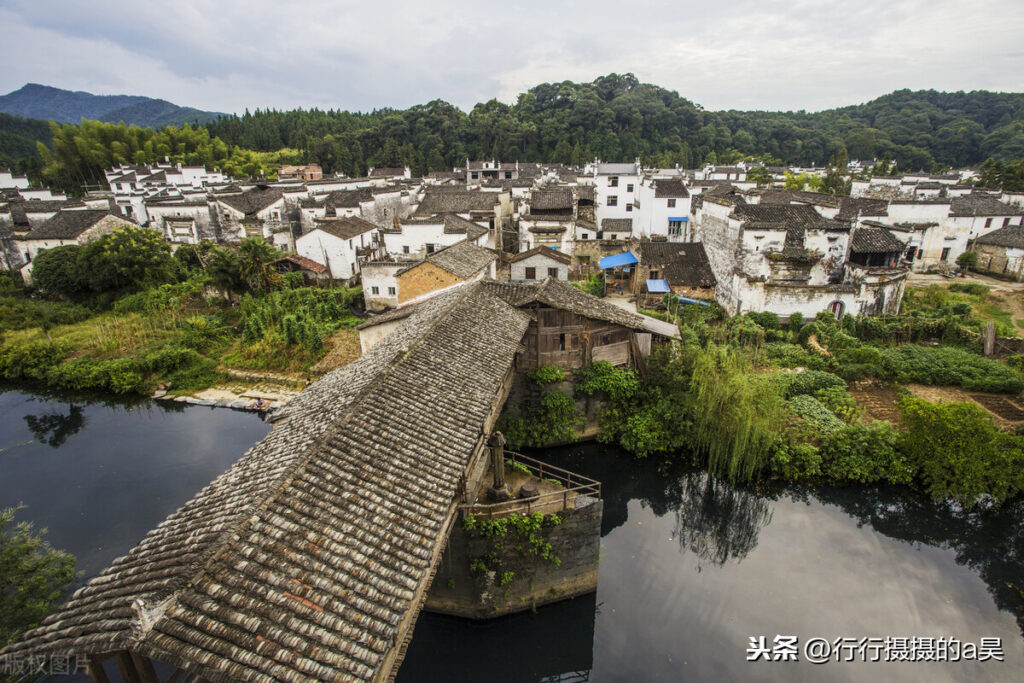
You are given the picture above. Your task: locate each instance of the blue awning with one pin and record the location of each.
(679, 218)
(624, 259)
(657, 286)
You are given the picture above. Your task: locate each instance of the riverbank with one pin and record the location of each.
(183, 340)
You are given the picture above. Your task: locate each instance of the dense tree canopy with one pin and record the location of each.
(615, 117)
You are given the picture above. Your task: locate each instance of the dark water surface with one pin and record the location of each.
(690, 568)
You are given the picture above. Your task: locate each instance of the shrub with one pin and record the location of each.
(19, 313)
(767, 320)
(809, 382)
(950, 366)
(796, 321)
(975, 288)
(839, 402)
(785, 355)
(959, 452)
(865, 453)
(796, 462)
(618, 384)
(815, 414)
(546, 374)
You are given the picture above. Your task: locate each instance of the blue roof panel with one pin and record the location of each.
(657, 286)
(624, 259)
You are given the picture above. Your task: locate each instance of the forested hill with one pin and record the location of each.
(616, 117)
(65, 106)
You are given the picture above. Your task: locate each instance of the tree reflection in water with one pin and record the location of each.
(718, 522)
(991, 542)
(54, 429)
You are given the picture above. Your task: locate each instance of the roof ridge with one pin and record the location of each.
(233, 533)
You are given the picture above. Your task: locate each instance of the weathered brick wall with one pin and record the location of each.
(720, 244)
(421, 279)
(576, 542)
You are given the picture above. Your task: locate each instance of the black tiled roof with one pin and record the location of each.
(681, 263)
(871, 239)
(67, 225)
(1010, 236)
(669, 189)
(252, 201)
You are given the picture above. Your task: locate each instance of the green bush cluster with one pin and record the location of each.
(810, 382)
(546, 374)
(948, 366)
(815, 414)
(593, 285)
(21, 312)
(975, 288)
(44, 362)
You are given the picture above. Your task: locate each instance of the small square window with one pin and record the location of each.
(553, 272)
(391, 291)
(375, 290)
(531, 273)
(613, 181)
(613, 200)
(988, 222)
(629, 187)
(671, 203)
(629, 208)
(405, 249)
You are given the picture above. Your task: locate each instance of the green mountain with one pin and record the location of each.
(65, 106)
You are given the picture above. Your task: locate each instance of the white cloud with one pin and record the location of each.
(765, 55)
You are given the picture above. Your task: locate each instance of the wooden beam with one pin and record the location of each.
(96, 673)
(177, 675)
(145, 668)
(127, 667)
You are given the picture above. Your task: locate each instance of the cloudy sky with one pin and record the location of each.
(227, 55)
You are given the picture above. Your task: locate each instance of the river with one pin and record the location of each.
(691, 568)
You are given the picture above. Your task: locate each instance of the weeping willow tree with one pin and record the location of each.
(736, 413)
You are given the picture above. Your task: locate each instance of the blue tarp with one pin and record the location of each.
(657, 287)
(693, 301)
(623, 259)
(683, 219)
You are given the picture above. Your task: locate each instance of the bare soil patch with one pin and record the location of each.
(877, 400)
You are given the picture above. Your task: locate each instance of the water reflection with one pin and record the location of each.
(54, 429)
(990, 542)
(716, 521)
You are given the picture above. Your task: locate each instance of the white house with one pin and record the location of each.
(664, 210)
(336, 243)
(259, 212)
(537, 264)
(615, 186)
(414, 238)
(67, 227)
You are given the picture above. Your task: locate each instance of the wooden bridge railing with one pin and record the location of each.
(573, 485)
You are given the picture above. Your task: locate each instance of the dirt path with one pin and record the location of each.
(877, 400)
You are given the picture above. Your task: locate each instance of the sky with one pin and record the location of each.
(229, 55)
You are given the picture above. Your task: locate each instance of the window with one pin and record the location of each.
(613, 200)
(613, 181)
(836, 308)
(945, 254)
(375, 290)
(653, 275)
(508, 175)
(405, 249)
(910, 253)
(553, 272)
(430, 248)
(561, 341)
(671, 203)
(675, 228)
(531, 273)
(629, 208)
(475, 175)
(629, 187)
(988, 222)
(391, 291)
(584, 236)
(1006, 221)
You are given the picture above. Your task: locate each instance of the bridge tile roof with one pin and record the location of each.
(302, 561)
